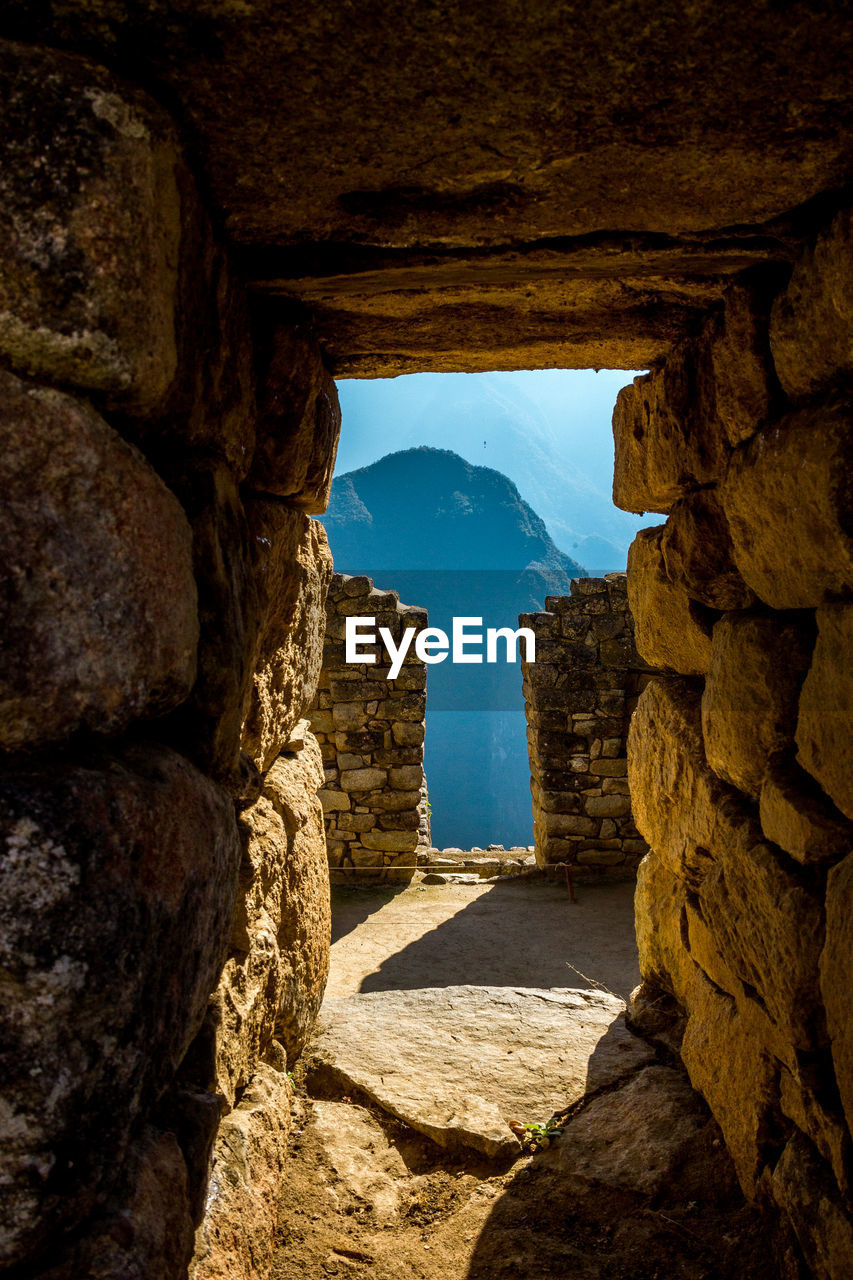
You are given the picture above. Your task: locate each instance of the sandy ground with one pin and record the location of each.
(515, 932)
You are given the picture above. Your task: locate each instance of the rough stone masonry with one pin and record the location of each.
(371, 732)
(164, 914)
(205, 212)
(579, 696)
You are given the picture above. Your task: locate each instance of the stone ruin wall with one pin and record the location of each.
(371, 734)
(578, 699)
(161, 632)
(164, 446)
(741, 752)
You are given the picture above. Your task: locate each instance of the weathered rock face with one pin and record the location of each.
(672, 630)
(696, 547)
(578, 699)
(209, 725)
(273, 981)
(512, 246)
(146, 1230)
(751, 691)
(826, 708)
(300, 421)
(119, 880)
(787, 501)
(799, 817)
(812, 323)
(293, 568)
(835, 978)
(371, 733)
(138, 594)
(89, 265)
(241, 1214)
(740, 778)
(99, 606)
(637, 1137)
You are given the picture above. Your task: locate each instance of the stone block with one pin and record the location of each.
(406, 777)
(678, 802)
(333, 800)
(322, 721)
(208, 727)
(659, 902)
(607, 806)
(742, 1098)
(599, 857)
(803, 1188)
(146, 1226)
(390, 841)
(564, 824)
(346, 689)
(582, 587)
(615, 786)
(89, 263)
(273, 982)
(363, 779)
(666, 444)
(811, 326)
(618, 654)
(824, 739)
(696, 547)
(609, 768)
(366, 741)
(98, 613)
(789, 511)
(836, 966)
(406, 706)
(736, 369)
(396, 801)
(293, 566)
(671, 630)
(796, 815)
(408, 820)
(347, 761)
(407, 733)
(356, 821)
(236, 1237)
(299, 421)
(804, 1099)
(212, 403)
(116, 897)
(749, 706)
(354, 584)
(767, 925)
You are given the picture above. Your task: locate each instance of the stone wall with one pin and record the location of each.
(740, 752)
(578, 700)
(371, 733)
(164, 919)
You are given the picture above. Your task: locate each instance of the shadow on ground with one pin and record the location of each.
(520, 932)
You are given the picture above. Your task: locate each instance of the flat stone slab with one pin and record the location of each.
(459, 1063)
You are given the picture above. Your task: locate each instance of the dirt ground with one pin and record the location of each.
(367, 1197)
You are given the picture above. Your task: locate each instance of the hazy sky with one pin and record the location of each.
(548, 430)
(577, 402)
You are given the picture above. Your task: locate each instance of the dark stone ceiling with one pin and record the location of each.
(516, 183)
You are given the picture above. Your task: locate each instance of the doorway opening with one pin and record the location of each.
(478, 495)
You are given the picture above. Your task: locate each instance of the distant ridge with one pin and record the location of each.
(427, 508)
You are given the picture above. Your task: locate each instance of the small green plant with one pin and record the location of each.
(536, 1137)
